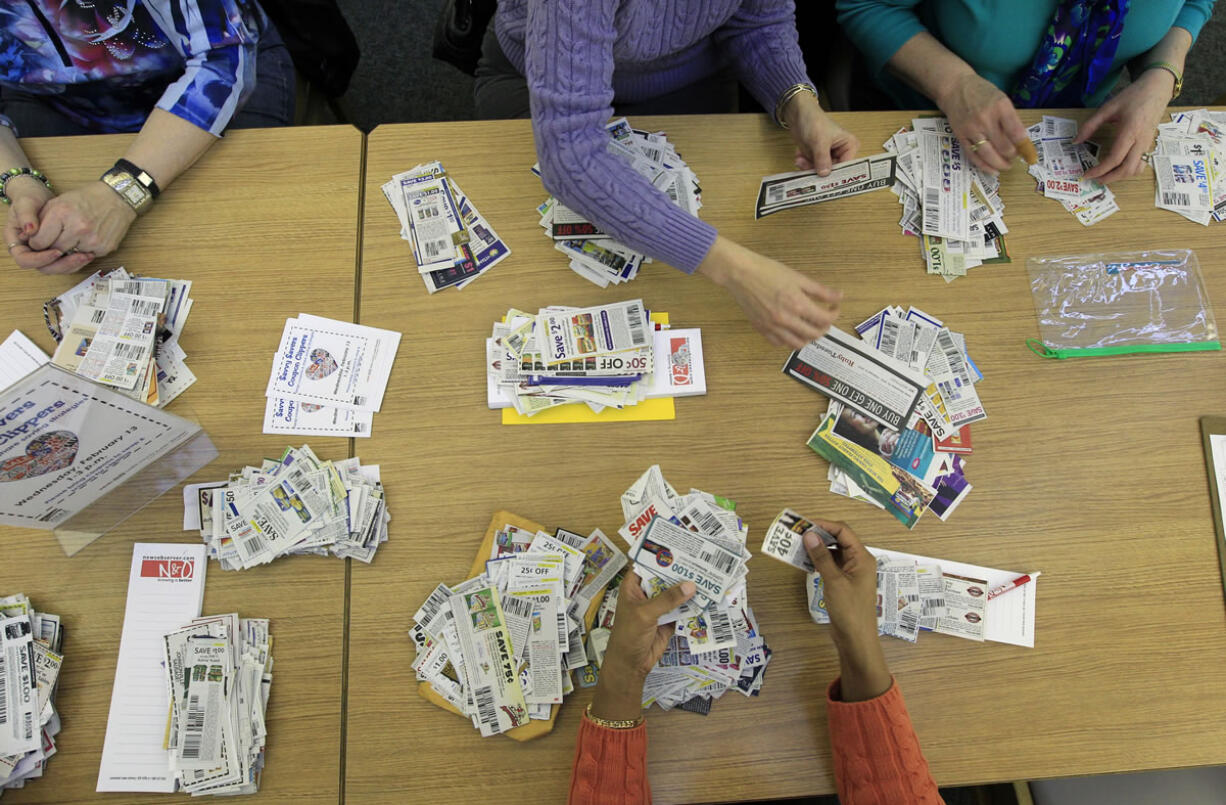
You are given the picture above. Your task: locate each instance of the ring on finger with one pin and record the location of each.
(73, 250)
(14, 243)
(975, 146)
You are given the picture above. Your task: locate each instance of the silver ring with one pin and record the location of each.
(14, 243)
(73, 250)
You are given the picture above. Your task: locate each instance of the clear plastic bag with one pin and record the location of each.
(1112, 304)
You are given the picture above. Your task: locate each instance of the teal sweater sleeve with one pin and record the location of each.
(1194, 15)
(879, 27)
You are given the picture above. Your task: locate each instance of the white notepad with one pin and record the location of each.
(18, 357)
(165, 591)
(1010, 617)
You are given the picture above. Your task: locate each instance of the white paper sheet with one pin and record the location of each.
(1010, 617)
(18, 357)
(165, 591)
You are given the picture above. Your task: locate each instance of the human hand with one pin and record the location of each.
(849, 579)
(92, 219)
(635, 646)
(787, 307)
(1136, 112)
(984, 120)
(820, 142)
(28, 196)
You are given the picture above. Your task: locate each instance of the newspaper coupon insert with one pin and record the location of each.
(336, 363)
(589, 331)
(785, 190)
(841, 367)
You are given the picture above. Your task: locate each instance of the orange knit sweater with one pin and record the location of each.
(877, 758)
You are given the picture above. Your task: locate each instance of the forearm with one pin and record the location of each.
(619, 694)
(1171, 49)
(862, 668)
(928, 66)
(11, 153)
(167, 145)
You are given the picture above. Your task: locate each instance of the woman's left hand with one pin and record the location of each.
(820, 142)
(1136, 113)
(90, 219)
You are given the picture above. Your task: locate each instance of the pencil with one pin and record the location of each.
(1025, 150)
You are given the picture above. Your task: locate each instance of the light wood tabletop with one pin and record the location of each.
(1090, 471)
(265, 225)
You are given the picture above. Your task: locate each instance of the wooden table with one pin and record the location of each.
(1090, 471)
(265, 231)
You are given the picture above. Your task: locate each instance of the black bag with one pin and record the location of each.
(319, 40)
(458, 33)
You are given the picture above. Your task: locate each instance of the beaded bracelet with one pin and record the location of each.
(610, 724)
(13, 173)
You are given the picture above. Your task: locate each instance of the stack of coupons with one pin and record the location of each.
(1062, 163)
(786, 190)
(218, 677)
(903, 396)
(297, 504)
(596, 256)
(328, 377)
(954, 208)
(718, 645)
(123, 331)
(500, 646)
(30, 661)
(603, 357)
(452, 243)
(1190, 165)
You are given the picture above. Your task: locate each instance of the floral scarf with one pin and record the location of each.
(1076, 54)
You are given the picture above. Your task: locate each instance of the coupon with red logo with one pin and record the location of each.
(680, 371)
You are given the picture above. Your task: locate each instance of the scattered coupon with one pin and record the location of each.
(333, 372)
(902, 399)
(296, 504)
(1062, 163)
(611, 356)
(122, 331)
(452, 242)
(218, 672)
(785, 539)
(952, 207)
(1189, 162)
(594, 254)
(31, 656)
(786, 190)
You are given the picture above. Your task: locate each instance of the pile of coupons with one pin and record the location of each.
(594, 254)
(500, 646)
(328, 377)
(786, 190)
(718, 645)
(1190, 165)
(903, 396)
(30, 661)
(609, 356)
(452, 243)
(1062, 163)
(122, 331)
(954, 208)
(297, 504)
(218, 676)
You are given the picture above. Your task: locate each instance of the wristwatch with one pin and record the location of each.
(1170, 68)
(133, 185)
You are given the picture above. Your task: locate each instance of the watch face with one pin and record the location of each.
(133, 193)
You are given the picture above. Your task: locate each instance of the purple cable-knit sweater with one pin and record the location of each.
(577, 55)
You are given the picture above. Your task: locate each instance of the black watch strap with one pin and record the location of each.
(141, 176)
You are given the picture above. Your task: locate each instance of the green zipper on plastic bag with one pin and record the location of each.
(1043, 351)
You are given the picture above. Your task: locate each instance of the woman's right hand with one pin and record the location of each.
(787, 307)
(849, 579)
(28, 196)
(984, 120)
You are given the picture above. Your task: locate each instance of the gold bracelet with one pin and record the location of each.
(1170, 68)
(788, 94)
(613, 725)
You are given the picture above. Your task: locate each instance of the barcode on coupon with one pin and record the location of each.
(889, 336)
(194, 729)
(706, 521)
(254, 544)
(487, 713)
(634, 317)
(932, 606)
(932, 198)
(721, 626)
(719, 560)
(129, 351)
(4, 692)
(519, 607)
(434, 248)
(146, 307)
(912, 599)
(908, 621)
(97, 317)
(953, 354)
(1176, 199)
(129, 287)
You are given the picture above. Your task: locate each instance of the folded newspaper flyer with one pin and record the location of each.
(952, 207)
(122, 331)
(1190, 165)
(296, 504)
(500, 647)
(593, 253)
(902, 399)
(1062, 163)
(452, 242)
(610, 356)
(31, 655)
(799, 188)
(218, 677)
(718, 645)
